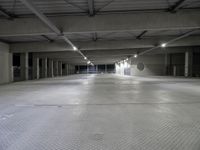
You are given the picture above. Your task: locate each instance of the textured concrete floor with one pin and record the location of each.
(101, 112)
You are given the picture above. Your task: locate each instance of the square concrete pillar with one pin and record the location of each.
(44, 67)
(55, 68)
(24, 66)
(11, 74)
(50, 68)
(167, 63)
(60, 68)
(188, 63)
(66, 69)
(36, 68)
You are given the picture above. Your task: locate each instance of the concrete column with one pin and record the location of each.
(55, 68)
(167, 63)
(60, 68)
(97, 69)
(66, 69)
(24, 66)
(188, 63)
(50, 68)
(44, 67)
(174, 70)
(36, 67)
(105, 68)
(87, 69)
(72, 69)
(11, 73)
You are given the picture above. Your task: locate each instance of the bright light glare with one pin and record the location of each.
(75, 48)
(163, 45)
(88, 62)
(85, 58)
(135, 55)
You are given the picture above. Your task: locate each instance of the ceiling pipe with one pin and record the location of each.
(50, 24)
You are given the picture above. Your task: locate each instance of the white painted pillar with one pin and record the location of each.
(24, 66)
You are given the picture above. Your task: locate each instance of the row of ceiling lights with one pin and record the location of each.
(85, 58)
(163, 45)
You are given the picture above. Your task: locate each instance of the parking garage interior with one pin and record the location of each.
(99, 74)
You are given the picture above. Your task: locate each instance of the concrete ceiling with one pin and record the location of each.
(99, 26)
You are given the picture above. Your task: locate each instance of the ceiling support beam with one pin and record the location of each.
(139, 37)
(176, 6)
(104, 23)
(91, 7)
(103, 45)
(47, 38)
(5, 13)
(50, 24)
(170, 41)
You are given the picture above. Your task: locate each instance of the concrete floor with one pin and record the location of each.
(101, 112)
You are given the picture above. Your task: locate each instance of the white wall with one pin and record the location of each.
(153, 65)
(5, 63)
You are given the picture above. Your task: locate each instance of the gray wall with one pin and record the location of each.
(5, 63)
(146, 65)
(153, 65)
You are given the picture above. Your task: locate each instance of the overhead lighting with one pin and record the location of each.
(163, 44)
(88, 62)
(85, 58)
(75, 48)
(126, 59)
(135, 56)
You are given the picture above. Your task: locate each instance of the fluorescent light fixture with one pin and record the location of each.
(135, 56)
(163, 44)
(75, 48)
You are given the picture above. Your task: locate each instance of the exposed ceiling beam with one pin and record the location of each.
(170, 41)
(103, 45)
(105, 5)
(104, 23)
(50, 24)
(77, 6)
(5, 13)
(100, 56)
(139, 37)
(91, 7)
(47, 38)
(176, 6)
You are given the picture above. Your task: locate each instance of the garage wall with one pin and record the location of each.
(143, 66)
(5, 63)
(148, 65)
